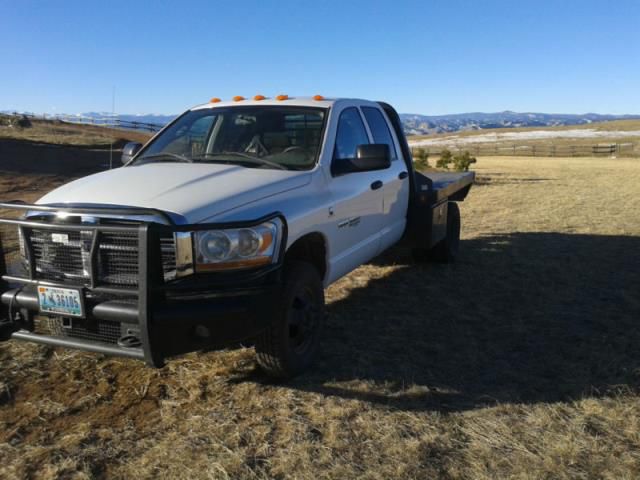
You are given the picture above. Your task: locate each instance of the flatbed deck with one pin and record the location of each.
(444, 185)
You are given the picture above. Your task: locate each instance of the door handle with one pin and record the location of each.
(376, 185)
(403, 175)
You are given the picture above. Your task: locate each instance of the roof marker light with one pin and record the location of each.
(238, 98)
(259, 97)
(318, 97)
(214, 100)
(282, 97)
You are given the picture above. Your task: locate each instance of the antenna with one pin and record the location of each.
(113, 114)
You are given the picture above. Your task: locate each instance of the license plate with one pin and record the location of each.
(61, 301)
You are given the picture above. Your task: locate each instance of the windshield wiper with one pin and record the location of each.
(244, 156)
(167, 155)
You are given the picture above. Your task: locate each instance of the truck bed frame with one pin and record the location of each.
(430, 195)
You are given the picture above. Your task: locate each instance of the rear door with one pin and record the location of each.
(358, 200)
(395, 179)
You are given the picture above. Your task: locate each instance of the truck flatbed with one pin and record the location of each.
(444, 185)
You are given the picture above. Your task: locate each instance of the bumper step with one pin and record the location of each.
(85, 345)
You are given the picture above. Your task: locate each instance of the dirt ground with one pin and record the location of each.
(519, 361)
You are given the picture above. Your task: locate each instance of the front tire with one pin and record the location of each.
(289, 345)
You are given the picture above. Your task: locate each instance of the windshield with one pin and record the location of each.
(256, 137)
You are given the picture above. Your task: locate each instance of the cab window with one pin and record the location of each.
(379, 129)
(351, 133)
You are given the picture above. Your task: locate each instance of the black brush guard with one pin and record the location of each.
(156, 318)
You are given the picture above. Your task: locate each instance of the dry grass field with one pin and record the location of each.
(519, 361)
(55, 132)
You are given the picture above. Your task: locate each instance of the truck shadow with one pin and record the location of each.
(524, 317)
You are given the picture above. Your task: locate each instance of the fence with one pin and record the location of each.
(111, 122)
(540, 150)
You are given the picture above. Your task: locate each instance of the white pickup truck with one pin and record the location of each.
(227, 225)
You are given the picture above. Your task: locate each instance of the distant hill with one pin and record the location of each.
(142, 118)
(415, 124)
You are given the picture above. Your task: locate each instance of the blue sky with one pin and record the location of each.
(426, 56)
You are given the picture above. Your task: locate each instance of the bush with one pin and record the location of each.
(20, 122)
(463, 161)
(445, 159)
(420, 159)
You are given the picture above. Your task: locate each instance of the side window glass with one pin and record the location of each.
(379, 129)
(351, 133)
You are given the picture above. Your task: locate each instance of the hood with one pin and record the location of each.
(194, 192)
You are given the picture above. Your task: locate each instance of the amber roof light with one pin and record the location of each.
(214, 100)
(318, 97)
(259, 97)
(238, 98)
(282, 97)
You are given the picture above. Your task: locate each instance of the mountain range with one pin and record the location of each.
(417, 124)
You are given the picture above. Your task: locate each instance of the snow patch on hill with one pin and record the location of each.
(530, 135)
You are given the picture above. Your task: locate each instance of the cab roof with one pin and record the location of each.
(289, 101)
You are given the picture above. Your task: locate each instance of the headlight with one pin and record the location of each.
(237, 248)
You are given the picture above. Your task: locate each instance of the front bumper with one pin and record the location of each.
(155, 319)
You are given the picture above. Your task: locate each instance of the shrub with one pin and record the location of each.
(21, 122)
(445, 159)
(462, 161)
(420, 159)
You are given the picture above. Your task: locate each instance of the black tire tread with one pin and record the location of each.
(271, 353)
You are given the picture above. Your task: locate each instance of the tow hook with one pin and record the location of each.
(129, 341)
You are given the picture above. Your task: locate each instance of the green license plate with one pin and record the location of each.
(61, 301)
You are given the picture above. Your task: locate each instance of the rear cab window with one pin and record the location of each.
(380, 129)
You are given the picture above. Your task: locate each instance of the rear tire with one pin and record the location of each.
(290, 344)
(446, 250)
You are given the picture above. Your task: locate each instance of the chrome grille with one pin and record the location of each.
(168, 252)
(59, 255)
(118, 258)
(65, 256)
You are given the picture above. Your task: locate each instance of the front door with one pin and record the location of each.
(358, 202)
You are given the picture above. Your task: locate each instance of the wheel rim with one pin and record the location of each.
(303, 320)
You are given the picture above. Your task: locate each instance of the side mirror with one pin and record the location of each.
(129, 151)
(369, 157)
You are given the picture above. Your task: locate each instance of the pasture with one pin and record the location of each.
(521, 360)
